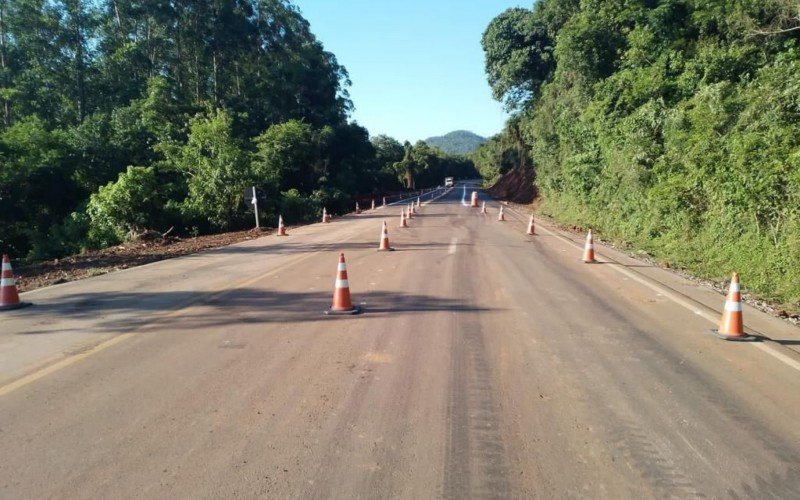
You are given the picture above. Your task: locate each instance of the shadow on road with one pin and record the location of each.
(131, 311)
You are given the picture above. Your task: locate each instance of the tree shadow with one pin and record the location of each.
(119, 312)
(289, 248)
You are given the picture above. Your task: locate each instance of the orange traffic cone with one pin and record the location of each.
(281, 227)
(358, 209)
(325, 217)
(384, 201)
(410, 212)
(9, 298)
(373, 204)
(501, 216)
(474, 200)
(483, 208)
(341, 294)
(531, 229)
(403, 221)
(385, 238)
(419, 204)
(588, 250)
(731, 325)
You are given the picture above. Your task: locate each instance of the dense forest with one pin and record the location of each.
(458, 142)
(117, 117)
(672, 126)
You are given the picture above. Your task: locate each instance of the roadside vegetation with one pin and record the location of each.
(119, 117)
(671, 126)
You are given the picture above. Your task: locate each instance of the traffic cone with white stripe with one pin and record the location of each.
(325, 217)
(341, 293)
(373, 204)
(588, 249)
(9, 298)
(403, 221)
(531, 229)
(385, 239)
(731, 325)
(483, 208)
(419, 203)
(384, 201)
(281, 227)
(501, 217)
(358, 208)
(410, 212)
(474, 200)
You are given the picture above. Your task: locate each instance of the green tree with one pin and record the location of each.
(287, 157)
(217, 170)
(519, 56)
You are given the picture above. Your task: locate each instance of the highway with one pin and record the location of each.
(486, 364)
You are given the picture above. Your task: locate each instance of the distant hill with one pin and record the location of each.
(460, 142)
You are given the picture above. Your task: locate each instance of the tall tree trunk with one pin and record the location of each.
(196, 78)
(75, 30)
(4, 79)
(216, 92)
(116, 14)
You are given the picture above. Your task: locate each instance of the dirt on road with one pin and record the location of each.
(129, 254)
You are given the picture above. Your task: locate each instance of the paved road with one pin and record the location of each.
(488, 364)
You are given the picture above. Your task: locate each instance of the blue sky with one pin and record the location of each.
(417, 66)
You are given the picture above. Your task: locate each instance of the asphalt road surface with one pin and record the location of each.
(487, 364)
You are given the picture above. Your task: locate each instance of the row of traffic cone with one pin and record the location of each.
(342, 303)
(731, 326)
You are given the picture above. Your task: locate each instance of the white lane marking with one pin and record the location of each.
(713, 318)
(779, 355)
(453, 246)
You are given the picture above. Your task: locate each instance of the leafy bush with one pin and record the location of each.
(296, 207)
(132, 203)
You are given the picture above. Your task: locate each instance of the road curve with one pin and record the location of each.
(487, 364)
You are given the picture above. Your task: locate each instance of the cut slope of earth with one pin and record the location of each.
(515, 185)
